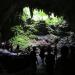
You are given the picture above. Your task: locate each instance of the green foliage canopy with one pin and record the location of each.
(23, 34)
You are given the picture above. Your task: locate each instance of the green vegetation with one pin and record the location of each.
(19, 37)
(39, 15)
(54, 21)
(32, 27)
(21, 40)
(26, 14)
(18, 29)
(22, 37)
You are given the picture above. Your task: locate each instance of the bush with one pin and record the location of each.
(20, 37)
(54, 21)
(21, 40)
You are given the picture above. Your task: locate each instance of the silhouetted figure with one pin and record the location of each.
(7, 45)
(55, 49)
(42, 54)
(65, 60)
(11, 47)
(17, 49)
(3, 45)
(55, 53)
(33, 59)
(72, 59)
(63, 63)
(50, 61)
(72, 48)
(0, 45)
(64, 53)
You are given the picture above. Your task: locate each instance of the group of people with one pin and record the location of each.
(55, 65)
(48, 55)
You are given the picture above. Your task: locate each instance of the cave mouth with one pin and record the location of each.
(36, 27)
(33, 27)
(41, 26)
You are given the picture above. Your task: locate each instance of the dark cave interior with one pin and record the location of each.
(60, 41)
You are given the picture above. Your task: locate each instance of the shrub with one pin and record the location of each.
(54, 21)
(18, 29)
(21, 40)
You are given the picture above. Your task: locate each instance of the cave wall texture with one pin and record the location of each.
(8, 9)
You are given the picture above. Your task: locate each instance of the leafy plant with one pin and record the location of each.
(39, 15)
(23, 17)
(26, 14)
(18, 29)
(22, 40)
(54, 21)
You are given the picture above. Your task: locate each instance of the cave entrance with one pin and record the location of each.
(36, 27)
